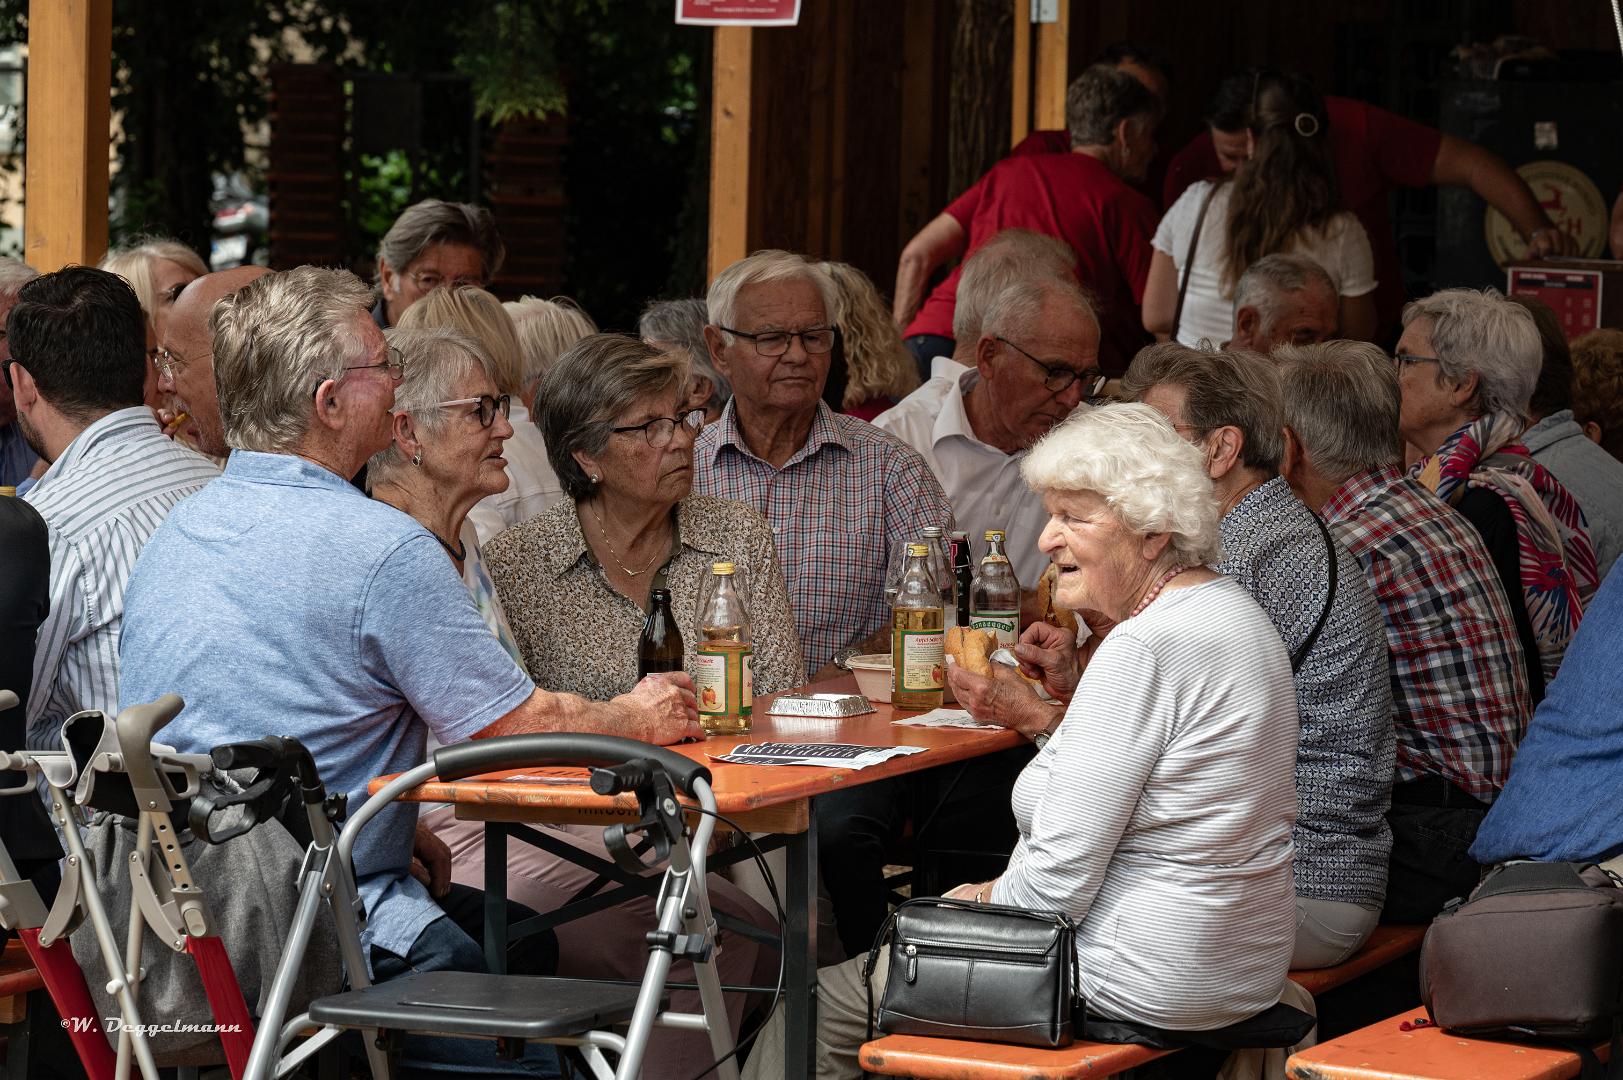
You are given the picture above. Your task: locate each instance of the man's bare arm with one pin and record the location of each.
(660, 710)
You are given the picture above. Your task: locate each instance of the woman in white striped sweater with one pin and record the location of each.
(1158, 810)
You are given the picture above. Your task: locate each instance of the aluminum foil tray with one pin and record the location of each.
(820, 705)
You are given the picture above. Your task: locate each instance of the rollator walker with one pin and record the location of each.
(511, 1009)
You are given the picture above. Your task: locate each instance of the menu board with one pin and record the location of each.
(738, 12)
(1574, 295)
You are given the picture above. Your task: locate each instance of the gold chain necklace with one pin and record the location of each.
(603, 530)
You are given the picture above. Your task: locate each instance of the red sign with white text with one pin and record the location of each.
(738, 12)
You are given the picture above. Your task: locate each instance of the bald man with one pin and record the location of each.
(186, 356)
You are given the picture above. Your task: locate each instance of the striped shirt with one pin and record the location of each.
(837, 509)
(1273, 546)
(1459, 676)
(106, 494)
(1159, 814)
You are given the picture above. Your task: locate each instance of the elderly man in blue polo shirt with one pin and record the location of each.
(283, 601)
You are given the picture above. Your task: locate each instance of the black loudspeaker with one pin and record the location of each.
(1576, 124)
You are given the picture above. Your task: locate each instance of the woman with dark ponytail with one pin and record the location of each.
(1282, 198)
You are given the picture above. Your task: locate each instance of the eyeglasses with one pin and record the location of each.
(1057, 380)
(429, 280)
(168, 363)
(659, 430)
(488, 406)
(816, 341)
(1403, 360)
(393, 365)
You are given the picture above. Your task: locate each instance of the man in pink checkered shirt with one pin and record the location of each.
(839, 493)
(1459, 674)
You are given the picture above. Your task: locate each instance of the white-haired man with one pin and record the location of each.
(1026, 354)
(1283, 299)
(1459, 676)
(339, 620)
(839, 493)
(17, 458)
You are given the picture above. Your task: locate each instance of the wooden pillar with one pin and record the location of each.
(69, 104)
(1053, 46)
(730, 146)
(1020, 99)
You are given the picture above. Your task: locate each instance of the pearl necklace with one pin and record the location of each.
(1155, 590)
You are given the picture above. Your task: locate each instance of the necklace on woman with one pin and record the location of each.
(1155, 590)
(603, 530)
(459, 553)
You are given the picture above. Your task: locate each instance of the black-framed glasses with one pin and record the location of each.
(1403, 360)
(1057, 380)
(816, 340)
(659, 430)
(488, 406)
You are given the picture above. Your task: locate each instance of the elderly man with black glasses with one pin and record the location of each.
(1036, 358)
(838, 492)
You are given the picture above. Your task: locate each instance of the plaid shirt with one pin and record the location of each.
(1459, 681)
(837, 508)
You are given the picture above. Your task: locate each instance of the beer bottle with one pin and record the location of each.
(995, 594)
(722, 666)
(918, 636)
(941, 568)
(660, 647)
(963, 574)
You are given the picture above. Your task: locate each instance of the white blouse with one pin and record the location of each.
(1341, 246)
(1160, 814)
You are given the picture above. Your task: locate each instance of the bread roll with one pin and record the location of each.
(971, 649)
(1052, 614)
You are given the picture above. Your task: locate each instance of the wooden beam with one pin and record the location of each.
(1020, 73)
(914, 204)
(70, 51)
(1053, 47)
(730, 146)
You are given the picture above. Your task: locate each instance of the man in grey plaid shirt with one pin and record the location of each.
(838, 493)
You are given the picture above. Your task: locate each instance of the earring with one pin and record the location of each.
(417, 458)
(596, 479)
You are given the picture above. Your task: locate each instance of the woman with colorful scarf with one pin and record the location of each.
(1467, 365)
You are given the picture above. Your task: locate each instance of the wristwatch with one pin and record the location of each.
(1041, 739)
(842, 658)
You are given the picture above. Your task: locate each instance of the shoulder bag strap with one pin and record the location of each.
(1189, 258)
(1299, 657)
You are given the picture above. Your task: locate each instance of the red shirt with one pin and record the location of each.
(1058, 141)
(1078, 200)
(1373, 151)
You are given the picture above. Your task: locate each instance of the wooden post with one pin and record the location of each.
(70, 59)
(1021, 73)
(730, 147)
(1053, 44)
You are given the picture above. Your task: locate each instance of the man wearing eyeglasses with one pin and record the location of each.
(838, 492)
(78, 363)
(185, 355)
(434, 243)
(1030, 362)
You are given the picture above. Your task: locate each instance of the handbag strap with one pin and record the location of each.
(1189, 257)
(1299, 657)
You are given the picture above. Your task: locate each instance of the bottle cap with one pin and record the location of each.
(959, 534)
(918, 551)
(722, 568)
(932, 530)
(994, 534)
(8, 490)
(660, 594)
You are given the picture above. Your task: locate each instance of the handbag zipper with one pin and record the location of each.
(1003, 956)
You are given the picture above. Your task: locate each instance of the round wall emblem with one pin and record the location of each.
(1571, 199)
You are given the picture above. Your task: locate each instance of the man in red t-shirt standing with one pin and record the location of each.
(1082, 198)
(1374, 151)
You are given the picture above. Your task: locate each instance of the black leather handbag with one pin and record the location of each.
(965, 970)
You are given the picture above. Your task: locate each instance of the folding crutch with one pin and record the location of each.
(121, 771)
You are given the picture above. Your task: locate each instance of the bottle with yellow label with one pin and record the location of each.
(918, 639)
(722, 675)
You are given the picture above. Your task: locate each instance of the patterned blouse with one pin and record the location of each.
(578, 634)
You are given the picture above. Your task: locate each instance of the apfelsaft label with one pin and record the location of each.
(724, 681)
(1003, 625)
(923, 663)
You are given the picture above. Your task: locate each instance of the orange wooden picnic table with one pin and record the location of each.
(1385, 1051)
(773, 799)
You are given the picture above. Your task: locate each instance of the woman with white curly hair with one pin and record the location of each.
(1158, 812)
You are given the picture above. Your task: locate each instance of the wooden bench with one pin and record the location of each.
(18, 979)
(960, 1059)
(1384, 1051)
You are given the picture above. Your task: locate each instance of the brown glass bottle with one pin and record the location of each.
(660, 646)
